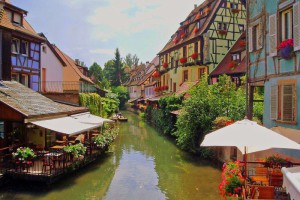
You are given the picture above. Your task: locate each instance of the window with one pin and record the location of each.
(241, 27)
(196, 47)
(174, 87)
(9, 14)
(17, 18)
(222, 26)
(254, 37)
(286, 21)
(172, 62)
(234, 6)
(201, 72)
(283, 98)
(15, 45)
(201, 11)
(44, 49)
(185, 75)
(24, 48)
(2, 129)
(166, 58)
(184, 51)
(198, 25)
(236, 57)
(223, 5)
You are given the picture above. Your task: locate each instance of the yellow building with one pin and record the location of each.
(200, 43)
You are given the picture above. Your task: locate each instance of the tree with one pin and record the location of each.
(96, 71)
(114, 70)
(122, 93)
(131, 60)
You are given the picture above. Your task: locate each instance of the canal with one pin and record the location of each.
(141, 164)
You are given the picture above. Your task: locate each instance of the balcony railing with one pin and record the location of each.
(67, 86)
(48, 166)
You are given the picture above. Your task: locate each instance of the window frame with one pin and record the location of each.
(282, 24)
(17, 46)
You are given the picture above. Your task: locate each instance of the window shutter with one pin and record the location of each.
(273, 35)
(260, 35)
(250, 42)
(206, 56)
(274, 102)
(288, 102)
(296, 28)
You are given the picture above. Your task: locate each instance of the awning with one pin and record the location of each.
(66, 125)
(88, 118)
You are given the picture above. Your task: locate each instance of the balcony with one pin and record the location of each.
(67, 87)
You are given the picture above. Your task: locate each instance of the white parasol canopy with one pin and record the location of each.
(88, 118)
(248, 134)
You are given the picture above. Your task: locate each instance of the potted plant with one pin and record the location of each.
(24, 153)
(276, 161)
(286, 49)
(75, 150)
(183, 60)
(165, 65)
(232, 181)
(175, 40)
(194, 56)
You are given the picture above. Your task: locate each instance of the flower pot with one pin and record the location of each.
(286, 52)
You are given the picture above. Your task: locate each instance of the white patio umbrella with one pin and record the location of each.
(246, 134)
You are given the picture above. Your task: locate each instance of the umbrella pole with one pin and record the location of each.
(245, 161)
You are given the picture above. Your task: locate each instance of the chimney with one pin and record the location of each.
(195, 6)
(77, 61)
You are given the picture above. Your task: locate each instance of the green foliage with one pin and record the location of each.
(161, 118)
(76, 149)
(122, 93)
(96, 71)
(106, 138)
(24, 153)
(100, 106)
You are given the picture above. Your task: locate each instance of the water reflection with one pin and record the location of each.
(141, 164)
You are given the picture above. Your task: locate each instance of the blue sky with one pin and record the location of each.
(91, 30)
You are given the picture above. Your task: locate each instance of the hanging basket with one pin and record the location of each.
(286, 52)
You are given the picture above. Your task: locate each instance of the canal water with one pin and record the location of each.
(140, 165)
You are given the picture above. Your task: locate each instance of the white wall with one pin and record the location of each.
(54, 71)
(134, 92)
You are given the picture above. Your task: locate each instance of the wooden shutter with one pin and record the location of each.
(273, 35)
(296, 25)
(260, 35)
(250, 42)
(274, 102)
(288, 102)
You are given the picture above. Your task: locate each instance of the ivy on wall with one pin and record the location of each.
(97, 105)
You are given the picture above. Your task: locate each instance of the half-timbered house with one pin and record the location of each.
(20, 47)
(201, 42)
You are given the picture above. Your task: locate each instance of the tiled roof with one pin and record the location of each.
(204, 22)
(224, 66)
(71, 63)
(184, 87)
(25, 29)
(31, 103)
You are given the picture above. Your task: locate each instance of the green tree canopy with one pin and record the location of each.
(131, 60)
(96, 71)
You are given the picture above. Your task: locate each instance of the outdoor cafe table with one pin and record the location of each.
(57, 147)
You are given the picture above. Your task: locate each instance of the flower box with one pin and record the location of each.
(183, 60)
(196, 30)
(235, 10)
(175, 41)
(286, 49)
(165, 65)
(194, 56)
(182, 35)
(222, 32)
(233, 64)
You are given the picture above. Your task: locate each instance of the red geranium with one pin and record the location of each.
(165, 65)
(288, 42)
(182, 35)
(198, 16)
(196, 30)
(183, 60)
(175, 40)
(194, 55)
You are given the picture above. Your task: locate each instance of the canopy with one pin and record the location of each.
(291, 181)
(66, 125)
(248, 134)
(88, 118)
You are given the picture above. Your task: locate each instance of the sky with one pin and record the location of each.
(91, 30)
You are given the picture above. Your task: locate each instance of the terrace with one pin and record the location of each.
(52, 163)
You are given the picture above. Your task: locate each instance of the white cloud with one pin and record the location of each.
(123, 18)
(102, 51)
